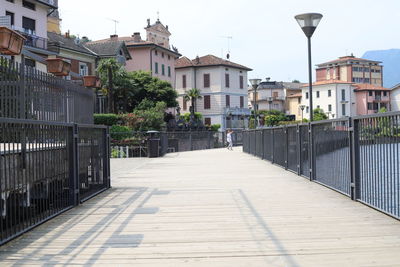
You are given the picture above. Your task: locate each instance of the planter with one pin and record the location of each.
(58, 66)
(11, 42)
(89, 81)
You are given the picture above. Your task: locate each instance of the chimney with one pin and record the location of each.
(148, 22)
(136, 37)
(67, 34)
(114, 37)
(197, 60)
(166, 26)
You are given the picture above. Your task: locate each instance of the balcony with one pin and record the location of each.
(271, 99)
(32, 39)
(51, 3)
(237, 111)
(379, 99)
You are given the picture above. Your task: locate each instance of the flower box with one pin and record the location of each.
(58, 66)
(89, 81)
(11, 42)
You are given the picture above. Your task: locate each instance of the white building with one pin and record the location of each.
(336, 98)
(223, 86)
(395, 98)
(29, 17)
(270, 96)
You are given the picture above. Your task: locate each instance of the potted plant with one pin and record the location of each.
(58, 66)
(89, 81)
(11, 42)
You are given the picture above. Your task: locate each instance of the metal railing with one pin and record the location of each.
(358, 157)
(26, 93)
(47, 168)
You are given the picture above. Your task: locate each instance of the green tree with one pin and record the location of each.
(319, 115)
(151, 119)
(109, 69)
(192, 95)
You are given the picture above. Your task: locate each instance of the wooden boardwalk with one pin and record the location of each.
(211, 208)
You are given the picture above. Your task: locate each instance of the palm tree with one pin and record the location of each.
(108, 70)
(192, 95)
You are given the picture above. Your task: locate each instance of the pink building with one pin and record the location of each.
(153, 54)
(371, 98)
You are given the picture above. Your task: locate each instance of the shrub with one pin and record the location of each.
(115, 153)
(197, 116)
(119, 132)
(215, 127)
(106, 119)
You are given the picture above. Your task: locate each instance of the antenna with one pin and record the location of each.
(115, 24)
(228, 38)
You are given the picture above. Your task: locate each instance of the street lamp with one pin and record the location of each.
(254, 83)
(302, 107)
(308, 23)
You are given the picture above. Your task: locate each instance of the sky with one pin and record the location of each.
(265, 35)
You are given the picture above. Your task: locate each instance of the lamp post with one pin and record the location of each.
(302, 107)
(254, 83)
(308, 23)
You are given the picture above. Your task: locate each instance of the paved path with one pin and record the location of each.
(211, 208)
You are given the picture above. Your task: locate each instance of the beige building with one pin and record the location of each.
(223, 86)
(293, 103)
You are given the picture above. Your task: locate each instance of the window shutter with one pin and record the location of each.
(183, 81)
(226, 80)
(241, 82)
(206, 80)
(184, 104)
(207, 102)
(241, 102)
(228, 100)
(207, 121)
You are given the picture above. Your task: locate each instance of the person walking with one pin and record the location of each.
(229, 139)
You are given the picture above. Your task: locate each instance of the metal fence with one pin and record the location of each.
(47, 168)
(27, 93)
(358, 157)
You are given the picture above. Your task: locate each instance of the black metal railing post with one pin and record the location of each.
(298, 147)
(107, 156)
(311, 146)
(354, 158)
(272, 146)
(286, 147)
(73, 136)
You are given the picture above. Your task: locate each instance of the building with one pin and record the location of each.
(54, 20)
(270, 96)
(395, 98)
(82, 59)
(30, 19)
(371, 98)
(293, 106)
(153, 54)
(110, 48)
(223, 88)
(336, 98)
(351, 69)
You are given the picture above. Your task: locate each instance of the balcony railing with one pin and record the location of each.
(32, 39)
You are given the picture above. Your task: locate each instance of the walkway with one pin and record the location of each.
(211, 208)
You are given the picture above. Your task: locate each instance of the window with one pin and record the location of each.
(241, 82)
(169, 57)
(370, 93)
(28, 24)
(207, 121)
(318, 106)
(155, 52)
(184, 104)
(206, 78)
(28, 5)
(384, 93)
(241, 102)
(299, 100)
(307, 109)
(207, 102)
(370, 106)
(11, 1)
(329, 93)
(30, 63)
(83, 69)
(169, 71)
(156, 67)
(306, 95)
(343, 95)
(317, 94)
(226, 80)
(228, 100)
(162, 69)
(183, 81)
(344, 109)
(162, 54)
(329, 108)
(11, 16)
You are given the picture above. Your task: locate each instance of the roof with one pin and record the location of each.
(206, 61)
(108, 48)
(292, 86)
(347, 58)
(59, 40)
(270, 85)
(158, 26)
(295, 95)
(369, 87)
(327, 82)
(48, 3)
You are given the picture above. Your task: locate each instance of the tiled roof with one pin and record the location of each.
(205, 61)
(347, 58)
(368, 87)
(58, 40)
(109, 48)
(328, 82)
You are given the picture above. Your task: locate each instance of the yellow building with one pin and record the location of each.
(293, 103)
